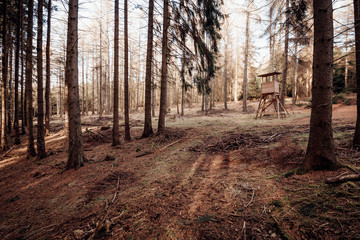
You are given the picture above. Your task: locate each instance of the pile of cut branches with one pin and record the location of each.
(226, 143)
(91, 137)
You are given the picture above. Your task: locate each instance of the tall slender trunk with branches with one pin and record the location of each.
(148, 84)
(126, 74)
(47, 87)
(164, 61)
(116, 139)
(75, 157)
(40, 90)
(28, 81)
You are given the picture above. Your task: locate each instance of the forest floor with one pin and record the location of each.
(217, 176)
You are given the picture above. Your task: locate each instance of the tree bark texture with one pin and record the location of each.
(116, 139)
(320, 152)
(148, 84)
(164, 59)
(28, 81)
(47, 87)
(286, 50)
(126, 74)
(75, 157)
(17, 58)
(356, 141)
(40, 89)
(246, 62)
(4, 80)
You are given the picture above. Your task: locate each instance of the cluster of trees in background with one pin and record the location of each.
(184, 55)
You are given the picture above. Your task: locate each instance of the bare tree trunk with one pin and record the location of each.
(58, 98)
(87, 91)
(225, 76)
(286, 50)
(100, 109)
(4, 144)
(9, 94)
(23, 103)
(126, 74)
(40, 90)
(148, 84)
(83, 83)
(93, 85)
(116, 139)
(294, 82)
(75, 157)
(164, 59)
(47, 88)
(246, 62)
(17, 56)
(346, 48)
(28, 81)
(356, 141)
(320, 152)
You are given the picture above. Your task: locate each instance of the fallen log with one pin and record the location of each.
(343, 178)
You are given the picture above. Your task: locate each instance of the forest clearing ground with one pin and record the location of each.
(216, 176)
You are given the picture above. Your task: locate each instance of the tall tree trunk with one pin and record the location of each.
(225, 76)
(356, 141)
(138, 76)
(87, 92)
(126, 74)
(4, 144)
(9, 93)
(28, 81)
(286, 50)
(116, 139)
(148, 84)
(93, 84)
(75, 157)
(83, 84)
(294, 82)
(40, 89)
(182, 72)
(47, 87)
(246, 62)
(22, 42)
(320, 153)
(17, 56)
(100, 76)
(164, 59)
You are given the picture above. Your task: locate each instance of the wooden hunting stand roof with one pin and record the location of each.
(269, 74)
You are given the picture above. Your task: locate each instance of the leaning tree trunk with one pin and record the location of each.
(116, 139)
(40, 90)
(126, 74)
(17, 56)
(28, 81)
(75, 157)
(286, 50)
(356, 141)
(164, 59)
(47, 88)
(4, 79)
(148, 88)
(320, 152)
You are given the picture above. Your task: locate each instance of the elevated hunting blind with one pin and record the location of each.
(270, 95)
